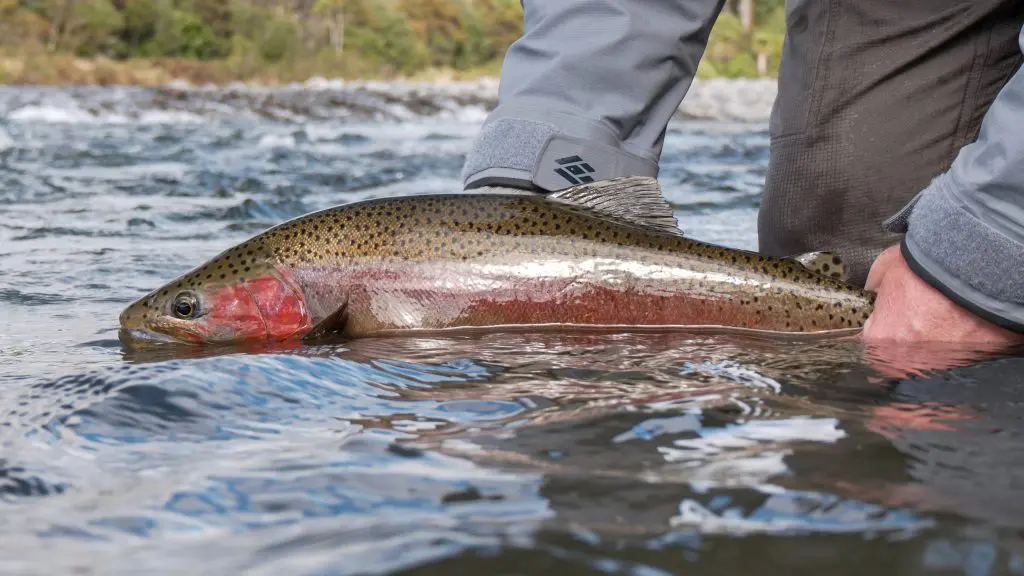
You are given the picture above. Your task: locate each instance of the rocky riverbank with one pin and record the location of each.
(320, 99)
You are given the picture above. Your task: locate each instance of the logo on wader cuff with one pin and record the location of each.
(574, 169)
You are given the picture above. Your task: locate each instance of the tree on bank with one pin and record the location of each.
(333, 37)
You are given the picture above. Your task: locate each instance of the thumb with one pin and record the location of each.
(885, 261)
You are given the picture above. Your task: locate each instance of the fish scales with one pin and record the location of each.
(491, 260)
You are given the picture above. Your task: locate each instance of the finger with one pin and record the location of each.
(885, 261)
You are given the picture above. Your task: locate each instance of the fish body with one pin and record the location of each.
(601, 256)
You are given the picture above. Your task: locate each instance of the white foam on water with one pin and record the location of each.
(270, 141)
(470, 114)
(399, 111)
(325, 132)
(52, 114)
(6, 142)
(424, 185)
(165, 170)
(168, 117)
(74, 114)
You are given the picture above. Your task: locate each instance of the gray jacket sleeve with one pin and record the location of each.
(587, 92)
(965, 232)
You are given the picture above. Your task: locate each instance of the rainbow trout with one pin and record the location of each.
(602, 255)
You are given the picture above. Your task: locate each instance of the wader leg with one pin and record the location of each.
(876, 97)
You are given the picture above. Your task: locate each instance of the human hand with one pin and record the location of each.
(915, 326)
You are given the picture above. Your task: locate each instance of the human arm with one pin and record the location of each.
(592, 83)
(959, 274)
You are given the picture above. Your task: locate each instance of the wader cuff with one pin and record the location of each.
(966, 259)
(556, 152)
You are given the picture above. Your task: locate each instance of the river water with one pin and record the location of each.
(489, 454)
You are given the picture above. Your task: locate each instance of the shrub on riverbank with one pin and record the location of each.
(274, 41)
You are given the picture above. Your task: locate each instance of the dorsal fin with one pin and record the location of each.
(824, 263)
(634, 199)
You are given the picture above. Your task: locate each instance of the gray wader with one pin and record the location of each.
(876, 98)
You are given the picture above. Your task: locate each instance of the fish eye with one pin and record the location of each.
(185, 306)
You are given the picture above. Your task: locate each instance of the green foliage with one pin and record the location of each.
(20, 26)
(85, 27)
(439, 25)
(727, 38)
(278, 39)
(141, 18)
(330, 37)
(382, 38)
(734, 52)
(740, 66)
(490, 29)
(184, 34)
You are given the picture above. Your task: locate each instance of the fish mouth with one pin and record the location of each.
(166, 331)
(137, 337)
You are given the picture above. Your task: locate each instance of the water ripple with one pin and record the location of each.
(528, 453)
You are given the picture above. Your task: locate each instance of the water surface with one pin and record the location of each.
(489, 454)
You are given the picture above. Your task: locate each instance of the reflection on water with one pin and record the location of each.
(524, 453)
(609, 452)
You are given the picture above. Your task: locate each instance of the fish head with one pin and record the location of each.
(220, 302)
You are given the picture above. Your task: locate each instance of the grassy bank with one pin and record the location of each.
(48, 69)
(272, 42)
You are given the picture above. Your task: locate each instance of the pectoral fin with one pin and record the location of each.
(332, 325)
